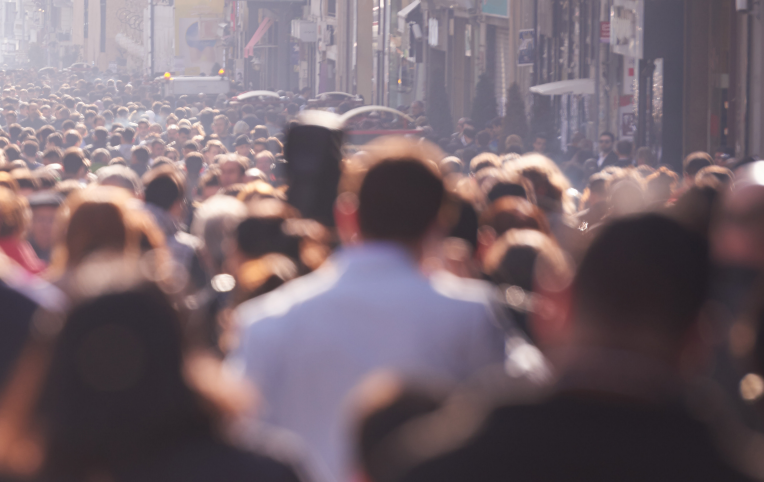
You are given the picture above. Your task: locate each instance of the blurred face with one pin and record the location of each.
(172, 134)
(417, 109)
(45, 111)
(209, 191)
(243, 150)
(258, 148)
(143, 129)
(24, 111)
(220, 127)
(157, 150)
(41, 232)
(539, 145)
(10, 118)
(606, 144)
(230, 173)
(738, 237)
(263, 163)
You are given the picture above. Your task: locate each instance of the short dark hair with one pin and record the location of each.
(12, 152)
(128, 135)
(483, 138)
(192, 145)
(56, 139)
(399, 199)
(72, 138)
(609, 134)
(101, 133)
(142, 154)
(74, 160)
(53, 152)
(30, 148)
(624, 148)
(164, 187)
(469, 132)
(646, 271)
(696, 161)
(194, 162)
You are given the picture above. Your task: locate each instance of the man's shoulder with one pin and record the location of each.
(455, 288)
(280, 303)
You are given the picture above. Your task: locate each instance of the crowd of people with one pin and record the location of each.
(474, 311)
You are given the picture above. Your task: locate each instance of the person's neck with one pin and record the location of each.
(414, 248)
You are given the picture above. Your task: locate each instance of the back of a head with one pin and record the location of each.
(696, 161)
(714, 176)
(521, 256)
(214, 220)
(119, 175)
(399, 199)
(98, 220)
(14, 213)
(645, 274)
(117, 382)
(141, 154)
(624, 148)
(512, 212)
(483, 161)
(164, 187)
(263, 232)
(73, 161)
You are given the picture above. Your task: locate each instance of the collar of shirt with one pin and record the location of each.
(374, 255)
(619, 372)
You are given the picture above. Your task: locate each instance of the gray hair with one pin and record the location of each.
(214, 220)
(120, 176)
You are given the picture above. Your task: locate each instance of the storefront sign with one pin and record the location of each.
(627, 27)
(605, 32)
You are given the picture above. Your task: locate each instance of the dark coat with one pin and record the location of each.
(579, 437)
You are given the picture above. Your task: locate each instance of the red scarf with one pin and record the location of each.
(22, 253)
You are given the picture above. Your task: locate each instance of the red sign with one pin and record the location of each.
(605, 32)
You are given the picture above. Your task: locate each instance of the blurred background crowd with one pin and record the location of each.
(198, 289)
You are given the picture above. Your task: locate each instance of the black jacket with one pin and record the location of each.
(610, 160)
(578, 437)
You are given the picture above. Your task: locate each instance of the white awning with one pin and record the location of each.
(404, 13)
(575, 86)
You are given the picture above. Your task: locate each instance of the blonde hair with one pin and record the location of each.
(15, 214)
(549, 183)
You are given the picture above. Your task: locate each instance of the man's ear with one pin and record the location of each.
(346, 217)
(551, 320)
(486, 237)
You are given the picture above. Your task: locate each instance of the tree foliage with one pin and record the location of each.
(484, 108)
(515, 120)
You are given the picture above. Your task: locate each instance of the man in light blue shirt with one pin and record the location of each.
(308, 344)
